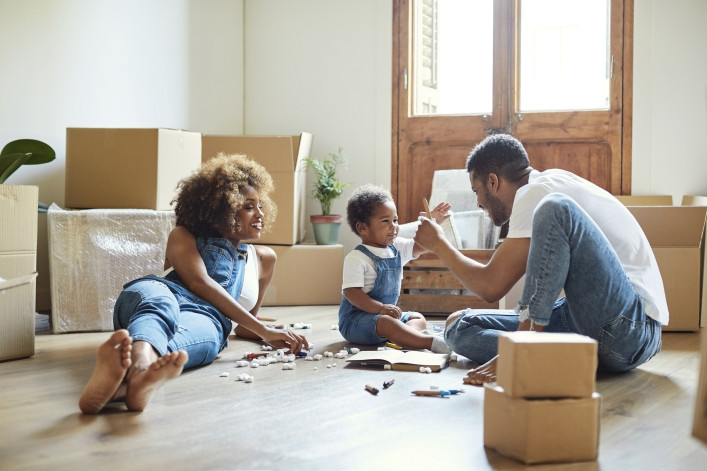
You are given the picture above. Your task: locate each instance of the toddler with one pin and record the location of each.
(373, 274)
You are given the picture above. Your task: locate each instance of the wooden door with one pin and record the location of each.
(594, 144)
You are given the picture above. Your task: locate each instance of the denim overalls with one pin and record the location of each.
(360, 327)
(164, 313)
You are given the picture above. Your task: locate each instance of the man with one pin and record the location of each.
(564, 233)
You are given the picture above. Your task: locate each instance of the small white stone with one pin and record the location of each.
(266, 347)
(425, 369)
(254, 364)
(224, 375)
(241, 363)
(288, 366)
(317, 357)
(308, 359)
(249, 379)
(335, 327)
(328, 354)
(355, 350)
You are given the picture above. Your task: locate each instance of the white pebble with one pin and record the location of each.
(355, 350)
(266, 347)
(317, 357)
(308, 359)
(289, 358)
(288, 366)
(425, 369)
(380, 349)
(340, 355)
(329, 365)
(254, 364)
(328, 354)
(241, 363)
(224, 375)
(335, 327)
(249, 379)
(316, 368)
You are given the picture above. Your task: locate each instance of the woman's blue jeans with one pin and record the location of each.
(568, 251)
(169, 322)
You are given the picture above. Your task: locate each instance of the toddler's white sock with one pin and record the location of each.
(440, 346)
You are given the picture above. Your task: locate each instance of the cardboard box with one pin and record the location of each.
(699, 422)
(18, 264)
(677, 235)
(93, 253)
(127, 168)
(306, 274)
(541, 430)
(281, 156)
(17, 317)
(548, 365)
(18, 218)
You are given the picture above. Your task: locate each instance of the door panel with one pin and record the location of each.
(588, 143)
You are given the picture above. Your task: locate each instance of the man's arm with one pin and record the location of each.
(490, 282)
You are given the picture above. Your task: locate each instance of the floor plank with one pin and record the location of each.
(319, 419)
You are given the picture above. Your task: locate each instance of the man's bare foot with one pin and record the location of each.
(112, 361)
(142, 384)
(485, 373)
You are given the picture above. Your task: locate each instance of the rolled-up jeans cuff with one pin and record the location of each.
(524, 315)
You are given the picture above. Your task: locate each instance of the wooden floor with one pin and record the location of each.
(318, 419)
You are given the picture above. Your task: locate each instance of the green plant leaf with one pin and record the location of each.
(40, 152)
(11, 162)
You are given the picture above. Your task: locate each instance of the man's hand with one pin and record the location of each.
(428, 234)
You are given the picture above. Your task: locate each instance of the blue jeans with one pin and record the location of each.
(568, 251)
(151, 312)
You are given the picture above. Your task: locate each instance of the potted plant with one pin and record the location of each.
(24, 152)
(327, 188)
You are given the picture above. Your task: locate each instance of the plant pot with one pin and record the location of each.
(326, 228)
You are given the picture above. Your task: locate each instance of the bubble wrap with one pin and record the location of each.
(93, 253)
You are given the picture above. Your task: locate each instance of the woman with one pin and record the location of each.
(183, 319)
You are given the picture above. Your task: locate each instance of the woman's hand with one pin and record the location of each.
(285, 338)
(391, 310)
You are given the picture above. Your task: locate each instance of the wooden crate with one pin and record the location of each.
(430, 288)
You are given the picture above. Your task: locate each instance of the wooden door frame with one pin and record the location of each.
(401, 37)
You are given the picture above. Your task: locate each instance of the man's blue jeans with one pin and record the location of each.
(568, 251)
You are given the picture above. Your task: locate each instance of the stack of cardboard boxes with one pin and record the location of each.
(543, 407)
(18, 262)
(128, 178)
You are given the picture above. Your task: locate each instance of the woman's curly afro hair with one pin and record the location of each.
(208, 201)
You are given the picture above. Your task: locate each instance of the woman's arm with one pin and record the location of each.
(183, 256)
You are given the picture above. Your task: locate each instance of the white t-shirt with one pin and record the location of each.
(360, 270)
(615, 221)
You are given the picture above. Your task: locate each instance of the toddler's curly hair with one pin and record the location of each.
(363, 202)
(208, 200)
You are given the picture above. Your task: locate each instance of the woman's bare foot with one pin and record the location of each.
(485, 373)
(142, 384)
(112, 361)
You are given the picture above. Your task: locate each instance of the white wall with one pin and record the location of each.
(324, 66)
(280, 67)
(670, 98)
(128, 63)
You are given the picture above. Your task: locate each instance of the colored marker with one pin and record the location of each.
(393, 345)
(371, 389)
(440, 392)
(387, 384)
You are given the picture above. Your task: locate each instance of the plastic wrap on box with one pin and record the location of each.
(93, 253)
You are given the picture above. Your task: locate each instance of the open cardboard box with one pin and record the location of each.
(677, 236)
(127, 168)
(281, 156)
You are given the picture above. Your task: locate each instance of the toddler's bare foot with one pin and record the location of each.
(112, 361)
(143, 384)
(485, 373)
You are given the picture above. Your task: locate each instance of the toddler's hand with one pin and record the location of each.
(391, 310)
